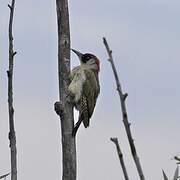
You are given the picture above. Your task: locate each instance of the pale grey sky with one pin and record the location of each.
(145, 39)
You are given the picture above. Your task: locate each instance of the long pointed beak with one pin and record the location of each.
(77, 53)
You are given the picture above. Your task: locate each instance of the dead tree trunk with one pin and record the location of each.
(64, 108)
(12, 135)
(124, 113)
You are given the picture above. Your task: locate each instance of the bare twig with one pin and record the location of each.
(164, 175)
(12, 135)
(177, 159)
(4, 176)
(124, 112)
(115, 141)
(64, 108)
(176, 174)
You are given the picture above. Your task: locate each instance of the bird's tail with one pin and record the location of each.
(83, 115)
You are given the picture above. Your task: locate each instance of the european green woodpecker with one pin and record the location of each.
(84, 87)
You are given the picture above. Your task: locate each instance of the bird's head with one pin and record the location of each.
(89, 59)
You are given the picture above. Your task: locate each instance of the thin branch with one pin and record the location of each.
(4, 176)
(124, 112)
(176, 174)
(115, 141)
(64, 108)
(12, 135)
(177, 159)
(164, 175)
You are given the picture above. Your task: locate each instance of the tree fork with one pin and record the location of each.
(124, 112)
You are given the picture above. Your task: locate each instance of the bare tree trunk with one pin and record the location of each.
(120, 154)
(64, 108)
(12, 135)
(124, 113)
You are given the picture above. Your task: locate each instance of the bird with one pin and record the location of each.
(84, 87)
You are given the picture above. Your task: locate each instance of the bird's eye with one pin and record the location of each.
(86, 57)
(89, 57)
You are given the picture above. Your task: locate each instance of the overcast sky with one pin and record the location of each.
(145, 39)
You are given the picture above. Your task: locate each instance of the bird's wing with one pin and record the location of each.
(90, 93)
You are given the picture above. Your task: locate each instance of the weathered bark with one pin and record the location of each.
(120, 154)
(124, 113)
(12, 135)
(64, 108)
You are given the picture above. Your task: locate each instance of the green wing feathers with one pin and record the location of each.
(90, 92)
